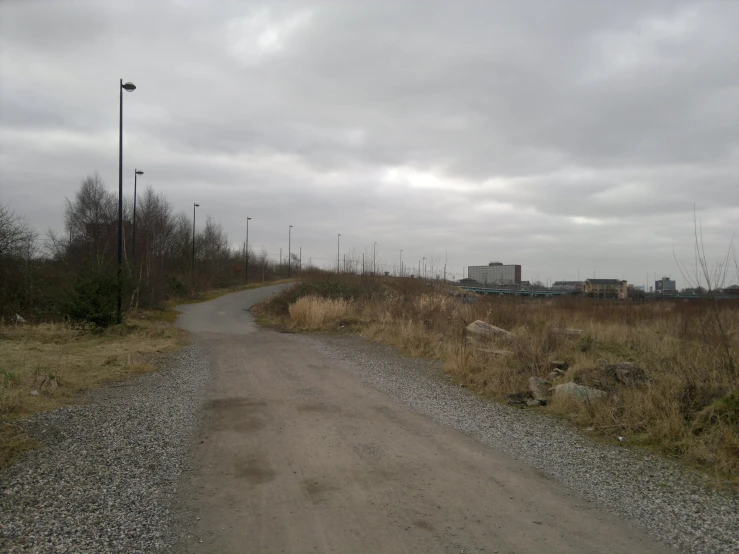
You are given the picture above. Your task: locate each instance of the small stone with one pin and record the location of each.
(34, 392)
(539, 388)
(534, 403)
(627, 373)
(568, 331)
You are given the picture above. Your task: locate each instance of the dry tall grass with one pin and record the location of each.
(686, 406)
(311, 313)
(60, 363)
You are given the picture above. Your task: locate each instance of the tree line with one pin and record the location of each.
(73, 274)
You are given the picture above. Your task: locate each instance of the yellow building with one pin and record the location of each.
(605, 288)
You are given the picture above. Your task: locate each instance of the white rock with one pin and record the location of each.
(485, 329)
(580, 393)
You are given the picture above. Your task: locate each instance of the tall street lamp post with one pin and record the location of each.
(374, 266)
(136, 173)
(246, 266)
(289, 239)
(338, 253)
(129, 87)
(193, 238)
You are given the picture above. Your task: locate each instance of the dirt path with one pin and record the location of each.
(296, 455)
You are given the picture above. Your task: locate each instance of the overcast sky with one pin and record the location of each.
(559, 135)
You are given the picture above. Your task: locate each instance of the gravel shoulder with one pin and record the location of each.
(106, 476)
(671, 503)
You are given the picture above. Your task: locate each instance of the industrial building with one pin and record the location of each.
(571, 286)
(665, 285)
(495, 273)
(606, 288)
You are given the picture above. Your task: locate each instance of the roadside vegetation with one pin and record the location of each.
(668, 369)
(49, 365)
(58, 297)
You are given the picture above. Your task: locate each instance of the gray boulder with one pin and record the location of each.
(581, 393)
(539, 388)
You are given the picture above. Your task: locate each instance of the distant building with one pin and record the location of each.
(665, 285)
(495, 273)
(606, 288)
(469, 282)
(572, 286)
(733, 289)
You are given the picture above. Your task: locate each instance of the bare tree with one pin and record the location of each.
(16, 236)
(715, 277)
(92, 205)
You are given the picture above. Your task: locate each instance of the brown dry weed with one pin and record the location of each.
(686, 406)
(46, 366)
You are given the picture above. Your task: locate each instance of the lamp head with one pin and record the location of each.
(130, 87)
(196, 205)
(139, 172)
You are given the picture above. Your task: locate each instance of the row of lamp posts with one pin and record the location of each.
(130, 87)
(374, 250)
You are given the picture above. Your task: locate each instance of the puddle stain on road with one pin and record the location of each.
(254, 470)
(239, 414)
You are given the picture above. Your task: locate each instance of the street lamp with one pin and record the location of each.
(193, 238)
(289, 238)
(246, 267)
(338, 253)
(136, 173)
(129, 87)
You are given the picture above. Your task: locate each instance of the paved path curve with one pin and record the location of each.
(296, 455)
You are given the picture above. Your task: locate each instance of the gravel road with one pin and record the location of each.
(671, 504)
(297, 454)
(107, 473)
(110, 474)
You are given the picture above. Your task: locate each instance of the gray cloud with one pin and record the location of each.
(562, 135)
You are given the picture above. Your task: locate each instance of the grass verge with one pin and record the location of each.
(680, 396)
(47, 366)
